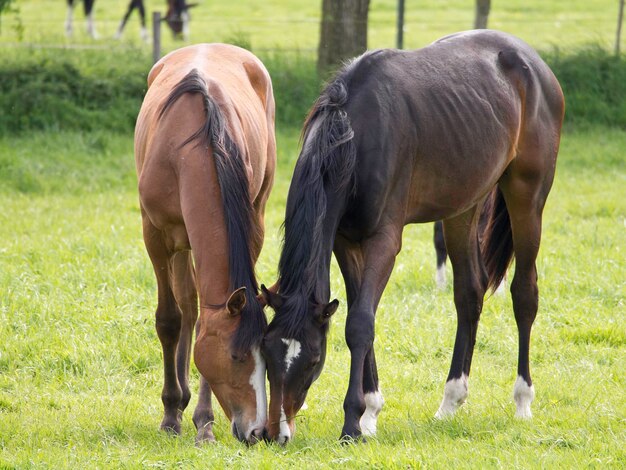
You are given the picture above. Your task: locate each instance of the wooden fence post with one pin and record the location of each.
(400, 25)
(156, 36)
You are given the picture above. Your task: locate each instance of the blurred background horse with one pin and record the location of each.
(88, 8)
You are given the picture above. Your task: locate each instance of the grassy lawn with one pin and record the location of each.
(80, 366)
(80, 362)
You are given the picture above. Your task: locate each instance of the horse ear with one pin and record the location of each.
(236, 302)
(327, 312)
(270, 297)
(330, 309)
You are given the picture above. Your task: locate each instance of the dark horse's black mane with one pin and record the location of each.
(237, 207)
(325, 166)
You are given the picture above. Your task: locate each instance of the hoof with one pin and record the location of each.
(204, 436)
(171, 427)
(351, 437)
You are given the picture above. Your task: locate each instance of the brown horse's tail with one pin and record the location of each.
(496, 243)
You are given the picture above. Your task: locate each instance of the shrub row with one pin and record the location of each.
(87, 90)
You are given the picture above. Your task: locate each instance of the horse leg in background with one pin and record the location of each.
(142, 17)
(120, 29)
(350, 259)
(91, 27)
(138, 4)
(470, 284)
(442, 254)
(69, 28)
(168, 324)
(379, 253)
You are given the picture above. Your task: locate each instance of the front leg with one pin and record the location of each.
(379, 253)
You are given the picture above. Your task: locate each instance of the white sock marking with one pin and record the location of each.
(257, 380)
(374, 403)
(454, 395)
(293, 351)
(68, 21)
(523, 396)
(91, 27)
(440, 277)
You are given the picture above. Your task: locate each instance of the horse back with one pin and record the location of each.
(435, 128)
(240, 86)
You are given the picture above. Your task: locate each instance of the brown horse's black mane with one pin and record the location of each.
(237, 206)
(326, 164)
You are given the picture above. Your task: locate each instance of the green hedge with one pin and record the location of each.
(96, 89)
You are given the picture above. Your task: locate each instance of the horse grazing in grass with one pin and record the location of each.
(88, 8)
(401, 137)
(205, 154)
(177, 18)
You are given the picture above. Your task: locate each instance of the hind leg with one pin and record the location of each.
(525, 187)
(168, 319)
(470, 282)
(525, 209)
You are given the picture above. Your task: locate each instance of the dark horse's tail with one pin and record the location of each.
(238, 211)
(497, 239)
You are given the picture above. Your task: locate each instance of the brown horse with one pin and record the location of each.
(205, 153)
(403, 137)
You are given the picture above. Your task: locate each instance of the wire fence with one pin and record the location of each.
(564, 29)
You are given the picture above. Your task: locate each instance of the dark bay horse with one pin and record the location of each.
(401, 137)
(205, 153)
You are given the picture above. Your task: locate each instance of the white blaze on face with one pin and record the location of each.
(257, 380)
(523, 396)
(293, 351)
(285, 433)
(454, 395)
(373, 404)
(185, 17)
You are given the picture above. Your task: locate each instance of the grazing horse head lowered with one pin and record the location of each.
(402, 137)
(177, 17)
(205, 154)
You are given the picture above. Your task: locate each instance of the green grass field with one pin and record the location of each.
(80, 363)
